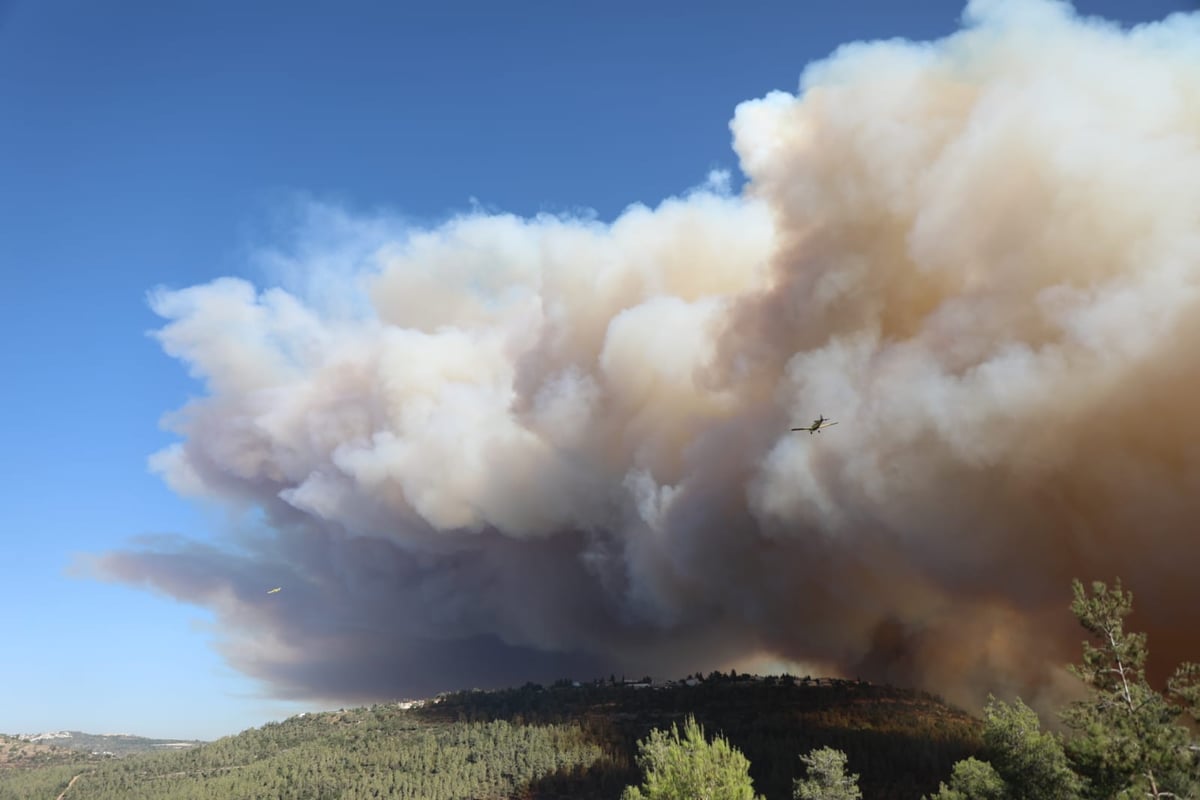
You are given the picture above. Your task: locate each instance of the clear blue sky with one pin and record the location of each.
(147, 143)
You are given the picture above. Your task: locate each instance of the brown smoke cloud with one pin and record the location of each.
(516, 449)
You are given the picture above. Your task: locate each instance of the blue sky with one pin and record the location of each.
(148, 143)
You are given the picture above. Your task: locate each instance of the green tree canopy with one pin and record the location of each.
(1127, 740)
(690, 768)
(1030, 761)
(973, 779)
(827, 778)
(1024, 762)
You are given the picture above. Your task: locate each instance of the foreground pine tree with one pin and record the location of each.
(1023, 761)
(689, 767)
(827, 778)
(1126, 739)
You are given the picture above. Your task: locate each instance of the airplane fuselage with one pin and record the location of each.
(817, 424)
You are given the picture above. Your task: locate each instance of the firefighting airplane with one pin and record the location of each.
(818, 423)
(273, 591)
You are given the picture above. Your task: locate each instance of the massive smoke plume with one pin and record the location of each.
(503, 449)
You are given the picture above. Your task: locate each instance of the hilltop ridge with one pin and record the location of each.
(104, 744)
(569, 739)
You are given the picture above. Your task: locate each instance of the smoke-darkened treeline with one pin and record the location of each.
(900, 740)
(538, 743)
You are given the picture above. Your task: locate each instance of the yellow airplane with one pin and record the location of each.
(273, 591)
(817, 424)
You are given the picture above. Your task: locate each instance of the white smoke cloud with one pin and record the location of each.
(500, 448)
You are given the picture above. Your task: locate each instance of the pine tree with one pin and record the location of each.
(973, 779)
(827, 778)
(1023, 761)
(1127, 741)
(689, 767)
(1031, 761)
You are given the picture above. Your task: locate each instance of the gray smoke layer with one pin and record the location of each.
(504, 449)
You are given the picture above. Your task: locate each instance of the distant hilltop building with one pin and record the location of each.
(41, 737)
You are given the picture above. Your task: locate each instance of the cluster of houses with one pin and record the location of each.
(407, 704)
(649, 683)
(733, 677)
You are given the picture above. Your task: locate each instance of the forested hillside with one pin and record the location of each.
(17, 753)
(565, 741)
(900, 741)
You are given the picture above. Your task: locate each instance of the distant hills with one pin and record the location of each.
(568, 740)
(113, 744)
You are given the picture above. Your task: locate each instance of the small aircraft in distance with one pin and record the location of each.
(273, 591)
(817, 424)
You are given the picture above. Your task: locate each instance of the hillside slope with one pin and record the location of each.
(565, 741)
